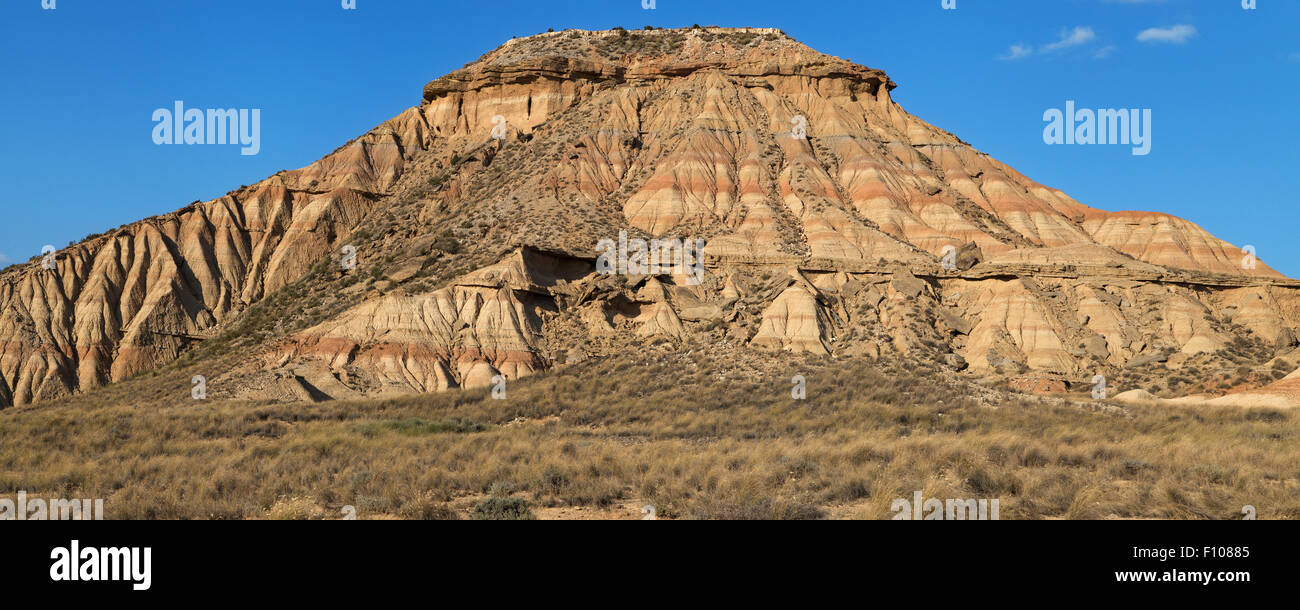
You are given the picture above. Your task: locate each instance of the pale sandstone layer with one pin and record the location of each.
(789, 162)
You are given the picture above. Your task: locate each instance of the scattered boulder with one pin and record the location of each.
(907, 284)
(1285, 341)
(969, 255)
(955, 323)
(1096, 347)
(575, 355)
(955, 361)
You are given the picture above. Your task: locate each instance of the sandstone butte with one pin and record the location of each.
(828, 244)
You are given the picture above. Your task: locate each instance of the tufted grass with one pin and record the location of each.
(709, 436)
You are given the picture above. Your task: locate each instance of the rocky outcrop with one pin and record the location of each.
(779, 157)
(1283, 393)
(136, 297)
(441, 340)
(796, 320)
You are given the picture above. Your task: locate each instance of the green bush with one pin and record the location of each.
(502, 509)
(448, 243)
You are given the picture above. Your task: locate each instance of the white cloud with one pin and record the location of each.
(1072, 38)
(5, 260)
(1018, 51)
(1176, 34)
(1104, 52)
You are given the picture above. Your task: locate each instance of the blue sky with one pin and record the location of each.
(82, 81)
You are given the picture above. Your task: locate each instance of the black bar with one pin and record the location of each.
(1078, 560)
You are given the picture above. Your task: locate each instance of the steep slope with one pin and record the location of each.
(475, 217)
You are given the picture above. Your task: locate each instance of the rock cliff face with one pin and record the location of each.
(827, 209)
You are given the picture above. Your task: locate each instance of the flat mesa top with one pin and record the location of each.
(654, 54)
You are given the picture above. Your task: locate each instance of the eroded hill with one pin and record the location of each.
(827, 210)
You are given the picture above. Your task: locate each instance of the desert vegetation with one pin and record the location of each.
(698, 438)
(631, 390)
